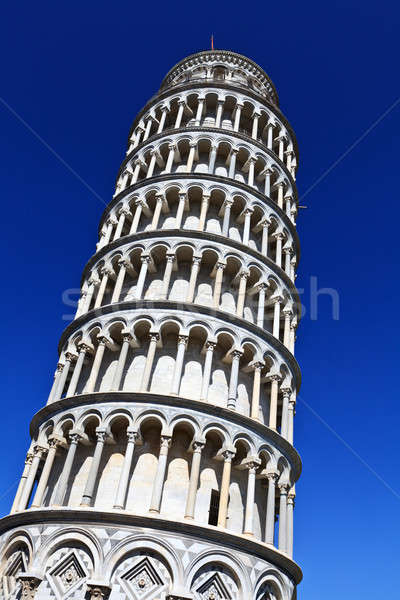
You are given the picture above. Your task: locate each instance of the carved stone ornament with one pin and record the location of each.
(29, 585)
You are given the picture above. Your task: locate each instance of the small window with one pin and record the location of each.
(214, 508)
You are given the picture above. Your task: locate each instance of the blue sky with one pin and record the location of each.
(77, 73)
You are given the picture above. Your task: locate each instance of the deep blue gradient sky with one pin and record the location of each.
(77, 73)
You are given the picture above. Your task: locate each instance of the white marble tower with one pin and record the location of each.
(162, 466)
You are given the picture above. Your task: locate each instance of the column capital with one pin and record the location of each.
(236, 353)
(165, 441)
(196, 260)
(283, 487)
(71, 356)
(286, 391)
(145, 259)
(154, 336)
(29, 458)
(258, 365)
(183, 339)
(227, 454)
(29, 584)
(124, 211)
(197, 446)
(85, 347)
(171, 256)
(98, 590)
(101, 434)
(272, 475)
(132, 435)
(210, 344)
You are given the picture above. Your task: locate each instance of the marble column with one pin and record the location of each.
(54, 387)
(200, 108)
(119, 371)
(227, 215)
(145, 260)
(213, 158)
(191, 155)
(267, 183)
(171, 156)
(83, 350)
(287, 313)
(270, 135)
(196, 262)
(66, 472)
(181, 104)
(277, 316)
(157, 212)
(154, 337)
(158, 486)
(87, 497)
(250, 178)
(255, 399)
(197, 448)
(270, 513)
(291, 413)
(251, 486)
(180, 209)
(232, 162)
(233, 383)
(123, 213)
(25, 472)
(289, 524)
(262, 287)
(283, 491)
(167, 275)
(286, 392)
(210, 346)
(238, 112)
(254, 130)
(164, 112)
(203, 211)
(53, 443)
(273, 403)
(264, 240)
(91, 382)
(218, 284)
(220, 108)
(38, 452)
(136, 218)
(225, 484)
(176, 382)
(106, 274)
(122, 489)
(69, 358)
(246, 228)
(244, 275)
(124, 265)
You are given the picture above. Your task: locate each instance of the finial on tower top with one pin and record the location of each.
(212, 41)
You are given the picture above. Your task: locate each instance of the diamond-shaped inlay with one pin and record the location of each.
(142, 580)
(16, 564)
(213, 589)
(67, 575)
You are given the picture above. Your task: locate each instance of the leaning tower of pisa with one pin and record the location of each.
(162, 466)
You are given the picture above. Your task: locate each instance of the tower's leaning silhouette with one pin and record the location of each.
(163, 466)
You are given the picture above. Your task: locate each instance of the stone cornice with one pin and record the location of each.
(171, 305)
(198, 235)
(202, 177)
(225, 132)
(162, 95)
(80, 516)
(231, 416)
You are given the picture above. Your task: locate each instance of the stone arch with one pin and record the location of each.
(271, 586)
(70, 537)
(203, 569)
(145, 544)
